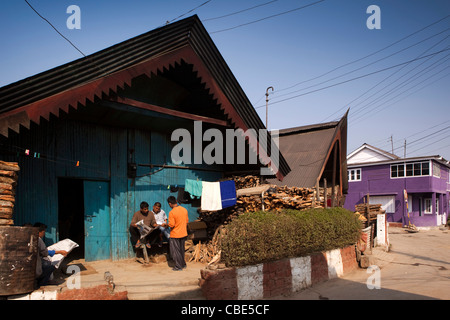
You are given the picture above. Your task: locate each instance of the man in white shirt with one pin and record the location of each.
(44, 267)
(161, 221)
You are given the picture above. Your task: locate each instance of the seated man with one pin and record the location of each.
(161, 220)
(44, 267)
(149, 220)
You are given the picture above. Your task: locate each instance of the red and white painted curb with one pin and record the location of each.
(279, 277)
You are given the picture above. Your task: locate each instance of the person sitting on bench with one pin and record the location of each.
(149, 220)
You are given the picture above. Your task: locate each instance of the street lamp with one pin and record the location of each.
(267, 107)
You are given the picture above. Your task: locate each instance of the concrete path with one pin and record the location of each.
(416, 268)
(155, 281)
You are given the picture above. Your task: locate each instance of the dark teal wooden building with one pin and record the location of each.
(93, 137)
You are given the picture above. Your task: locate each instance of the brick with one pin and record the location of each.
(319, 268)
(94, 293)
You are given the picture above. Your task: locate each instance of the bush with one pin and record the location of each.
(257, 237)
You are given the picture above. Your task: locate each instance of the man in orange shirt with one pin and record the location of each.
(178, 220)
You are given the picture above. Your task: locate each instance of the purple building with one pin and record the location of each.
(410, 190)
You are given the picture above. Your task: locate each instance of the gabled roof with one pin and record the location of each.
(101, 74)
(369, 153)
(436, 158)
(308, 150)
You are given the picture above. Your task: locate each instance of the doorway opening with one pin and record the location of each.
(71, 213)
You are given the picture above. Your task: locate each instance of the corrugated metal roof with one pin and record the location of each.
(307, 150)
(87, 75)
(306, 153)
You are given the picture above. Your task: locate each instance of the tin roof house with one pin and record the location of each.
(93, 137)
(411, 190)
(316, 155)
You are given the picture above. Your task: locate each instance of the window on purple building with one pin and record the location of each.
(354, 175)
(412, 169)
(427, 206)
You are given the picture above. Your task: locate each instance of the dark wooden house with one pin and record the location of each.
(316, 155)
(93, 137)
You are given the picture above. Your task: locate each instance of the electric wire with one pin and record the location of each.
(182, 15)
(406, 82)
(70, 42)
(356, 78)
(268, 17)
(400, 77)
(363, 116)
(367, 56)
(240, 11)
(412, 135)
(365, 66)
(347, 105)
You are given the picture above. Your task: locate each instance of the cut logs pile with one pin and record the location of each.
(246, 181)
(276, 198)
(207, 252)
(280, 198)
(369, 211)
(8, 182)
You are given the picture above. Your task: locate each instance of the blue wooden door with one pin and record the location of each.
(97, 220)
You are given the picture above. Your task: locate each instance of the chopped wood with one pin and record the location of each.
(252, 194)
(6, 222)
(9, 166)
(8, 182)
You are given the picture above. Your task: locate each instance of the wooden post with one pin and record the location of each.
(314, 199)
(333, 179)
(367, 213)
(318, 191)
(262, 200)
(325, 193)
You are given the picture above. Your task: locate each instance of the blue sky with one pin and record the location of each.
(321, 59)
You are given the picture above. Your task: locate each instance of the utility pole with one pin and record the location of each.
(392, 144)
(404, 151)
(267, 107)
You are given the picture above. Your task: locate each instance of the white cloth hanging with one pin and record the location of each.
(211, 198)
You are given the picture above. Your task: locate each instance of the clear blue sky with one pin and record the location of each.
(298, 53)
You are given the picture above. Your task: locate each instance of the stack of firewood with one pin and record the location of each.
(275, 198)
(369, 211)
(8, 182)
(207, 252)
(292, 198)
(246, 181)
(280, 198)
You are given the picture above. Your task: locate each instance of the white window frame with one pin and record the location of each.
(354, 173)
(404, 164)
(425, 206)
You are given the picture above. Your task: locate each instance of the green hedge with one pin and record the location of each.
(258, 237)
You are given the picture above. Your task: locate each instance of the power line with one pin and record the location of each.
(182, 15)
(433, 75)
(367, 56)
(356, 78)
(347, 105)
(268, 17)
(55, 28)
(357, 69)
(399, 86)
(240, 11)
(412, 135)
